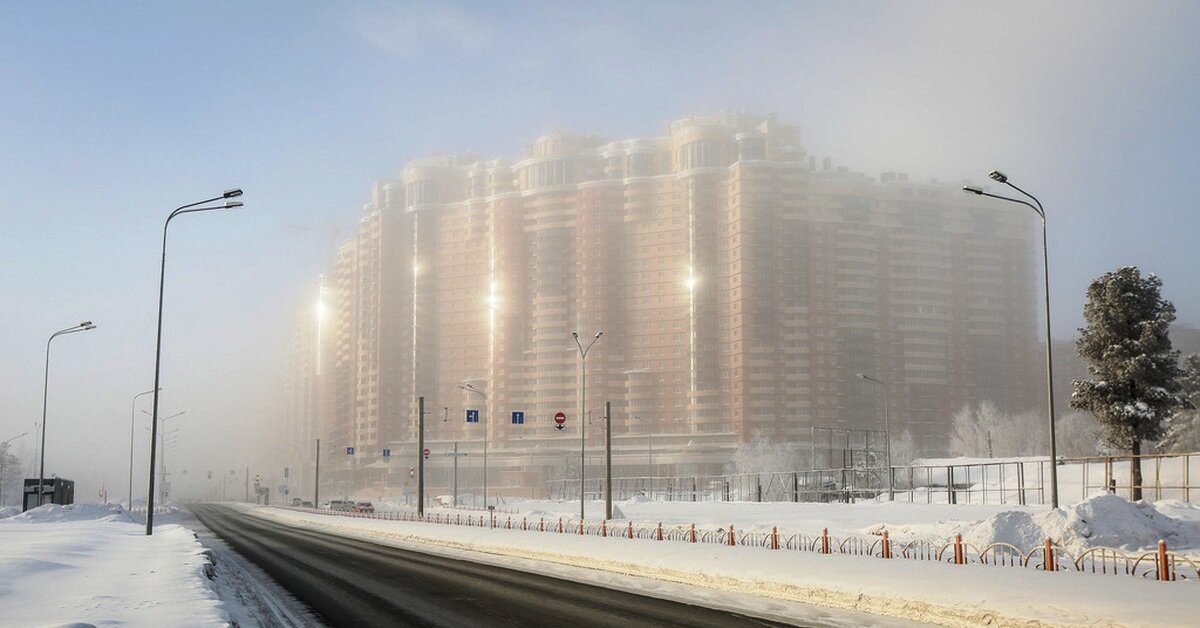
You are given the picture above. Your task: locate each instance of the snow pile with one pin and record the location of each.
(73, 512)
(9, 511)
(87, 565)
(1015, 527)
(1103, 520)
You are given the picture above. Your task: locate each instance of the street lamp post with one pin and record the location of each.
(1000, 177)
(483, 421)
(583, 351)
(84, 326)
(162, 275)
(163, 445)
(132, 418)
(4, 462)
(887, 431)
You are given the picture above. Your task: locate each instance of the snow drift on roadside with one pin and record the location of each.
(87, 564)
(1103, 520)
(73, 512)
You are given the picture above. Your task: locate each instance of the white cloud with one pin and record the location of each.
(413, 30)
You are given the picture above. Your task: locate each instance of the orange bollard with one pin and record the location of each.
(560, 525)
(825, 541)
(604, 528)
(959, 559)
(630, 529)
(1048, 556)
(887, 545)
(731, 538)
(660, 530)
(581, 527)
(1164, 567)
(508, 524)
(524, 523)
(693, 533)
(774, 538)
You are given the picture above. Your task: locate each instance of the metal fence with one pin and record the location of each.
(1158, 564)
(1019, 482)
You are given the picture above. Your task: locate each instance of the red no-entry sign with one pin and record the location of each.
(559, 420)
(426, 452)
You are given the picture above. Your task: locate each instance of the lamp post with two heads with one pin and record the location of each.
(198, 206)
(583, 351)
(1000, 177)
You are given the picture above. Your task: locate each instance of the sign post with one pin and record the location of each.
(424, 454)
(560, 421)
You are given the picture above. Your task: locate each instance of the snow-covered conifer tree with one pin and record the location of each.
(1134, 384)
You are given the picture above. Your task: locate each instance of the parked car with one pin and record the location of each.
(296, 501)
(306, 504)
(341, 505)
(364, 507)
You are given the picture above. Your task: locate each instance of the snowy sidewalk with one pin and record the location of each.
(748, 576)
(91, 564)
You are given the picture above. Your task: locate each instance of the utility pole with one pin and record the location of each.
(420, 457)
(317, 482)
(608, 460)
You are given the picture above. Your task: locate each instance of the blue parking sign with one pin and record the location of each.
(472, 416)
(349, 451)
(387, 453)
(518, 418)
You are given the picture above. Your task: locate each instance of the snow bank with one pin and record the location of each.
(9, 511)
(87, 564)
(1103, 520)
(73, 512)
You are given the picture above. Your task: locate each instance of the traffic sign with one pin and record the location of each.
(349, 451)
(518, 418)
(426, 452)
(472, 416)
(387, 453)
(560, 420)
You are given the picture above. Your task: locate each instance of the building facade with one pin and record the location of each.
(740, 284)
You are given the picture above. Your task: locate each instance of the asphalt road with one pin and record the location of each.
(349, 582)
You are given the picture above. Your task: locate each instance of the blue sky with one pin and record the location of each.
(111, 114)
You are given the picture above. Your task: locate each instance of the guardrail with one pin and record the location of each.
(1159, 564)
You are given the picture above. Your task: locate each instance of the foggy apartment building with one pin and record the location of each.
(740, 284)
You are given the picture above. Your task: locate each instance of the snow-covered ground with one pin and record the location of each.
(92, 564)
(751, 577)
(1103, 520)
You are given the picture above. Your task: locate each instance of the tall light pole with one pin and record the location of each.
(583, 351)
(163, 446)
(4, 462)
(84, 326)
(1000, 177)
(132, 418)
(483, 421)
(162, 275)
(887, 430)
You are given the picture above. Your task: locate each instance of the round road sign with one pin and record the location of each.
(426, 452)
(560, 418)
